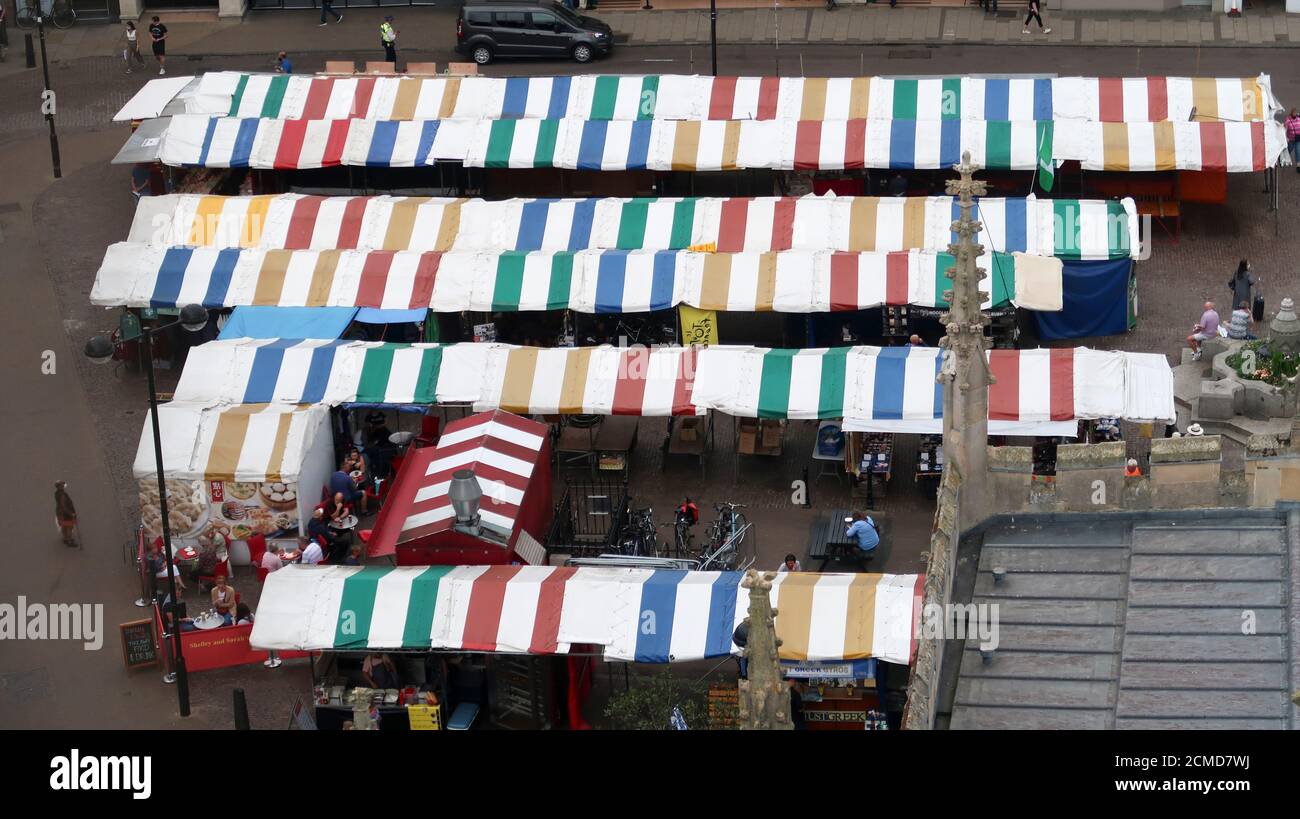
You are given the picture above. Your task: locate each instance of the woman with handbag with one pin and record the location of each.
(131, 52)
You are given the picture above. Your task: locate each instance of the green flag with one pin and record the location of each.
(1046, 166)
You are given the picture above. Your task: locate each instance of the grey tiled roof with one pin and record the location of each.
(1133, 624)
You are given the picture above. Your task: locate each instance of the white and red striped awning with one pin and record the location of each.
(502, 450)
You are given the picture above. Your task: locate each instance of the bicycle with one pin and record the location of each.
(729, 524)
(683, 545)
(726, 557)
(59, 12)
(639, 537)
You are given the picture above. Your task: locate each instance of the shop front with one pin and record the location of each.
(521, 621)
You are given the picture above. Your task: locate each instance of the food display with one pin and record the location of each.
(241, 491)
(187, 507)
(280, 496)
(211, 513)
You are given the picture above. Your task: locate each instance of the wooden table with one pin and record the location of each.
(828, 542)
(615, 442)
(696, 448)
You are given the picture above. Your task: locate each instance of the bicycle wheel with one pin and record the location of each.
(26, 18)
(64, 16)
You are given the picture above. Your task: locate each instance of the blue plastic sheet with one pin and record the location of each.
(288, 322)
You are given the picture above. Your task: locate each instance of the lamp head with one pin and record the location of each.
(99, 350)
(194, 317)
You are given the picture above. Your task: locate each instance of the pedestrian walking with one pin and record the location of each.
(327, 7)
(388, 39)
(131, 52)
(158, 33)
(282, 64)
(1293, 138)
(65, 514)
(1035, 13)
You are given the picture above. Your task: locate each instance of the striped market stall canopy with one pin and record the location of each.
(547, 610)
(697, 123)
(600, 145)
(893, 388)
(588, 281)
(716, 145)
(247, 442)
(1065, 228)
(697, 98)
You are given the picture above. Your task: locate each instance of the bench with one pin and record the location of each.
(828, 544)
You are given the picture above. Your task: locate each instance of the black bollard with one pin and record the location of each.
(241, 711)
(30, 48)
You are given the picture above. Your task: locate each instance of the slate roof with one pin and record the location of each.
(1134, 624)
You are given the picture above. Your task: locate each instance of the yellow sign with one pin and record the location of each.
(424, 717)
(708, 247)
(698, 326)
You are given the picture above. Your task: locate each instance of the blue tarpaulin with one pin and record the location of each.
(1095, 301)
(375, 315)
(288, 322)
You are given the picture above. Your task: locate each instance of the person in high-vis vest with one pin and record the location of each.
(388, 39)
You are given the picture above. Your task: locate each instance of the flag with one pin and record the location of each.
(698, 326)
(1046, 165)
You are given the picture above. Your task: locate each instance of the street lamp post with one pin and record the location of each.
(100, 350)
(48, 103)
(713, 33)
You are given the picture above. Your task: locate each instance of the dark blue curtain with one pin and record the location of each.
(1095, 297)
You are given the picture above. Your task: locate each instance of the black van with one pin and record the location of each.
(520, 29)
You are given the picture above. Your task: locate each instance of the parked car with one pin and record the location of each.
(485, 31)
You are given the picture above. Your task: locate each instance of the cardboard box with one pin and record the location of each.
(748, 440)
(690, 429)
(771, 434)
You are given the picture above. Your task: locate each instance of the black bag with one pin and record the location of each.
(1257, 309)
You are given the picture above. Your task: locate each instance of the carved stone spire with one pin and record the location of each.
(965, 373)
(764, 698)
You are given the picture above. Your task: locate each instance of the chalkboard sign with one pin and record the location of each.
(138, 646)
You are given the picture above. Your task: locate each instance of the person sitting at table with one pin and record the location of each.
(158, 565)
(353, 462)
(271, 558)
(243, 615)
(862, 531)
(379, 671)
(338, 508)
(791, 564)
(311, 552)
(319, 529)
(341, 483)
(223, 599)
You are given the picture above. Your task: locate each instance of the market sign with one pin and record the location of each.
(835, 716)
(854, 670)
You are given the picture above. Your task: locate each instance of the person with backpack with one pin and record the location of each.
(863, 531)
(388, 39)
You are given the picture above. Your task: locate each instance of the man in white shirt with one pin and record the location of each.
(311, 551)
(271, 557)
(791, 564)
